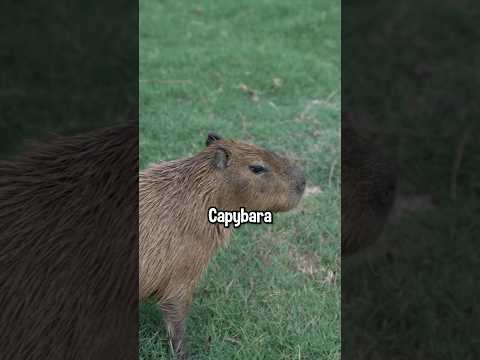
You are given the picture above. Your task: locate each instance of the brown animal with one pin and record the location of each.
(69, 248)
(368, 191)
(176, 239)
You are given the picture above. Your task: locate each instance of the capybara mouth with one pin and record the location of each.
(293, 201)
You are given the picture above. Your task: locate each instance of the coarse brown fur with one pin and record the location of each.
(176, 239)
(69, 248)
(368, 191)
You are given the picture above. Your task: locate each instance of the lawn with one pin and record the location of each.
(267, 72)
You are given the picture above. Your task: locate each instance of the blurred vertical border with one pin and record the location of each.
(68, 188)
(409, 85)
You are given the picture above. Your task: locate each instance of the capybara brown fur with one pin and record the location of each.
(368, 191)
(69, 248)
(176, 239)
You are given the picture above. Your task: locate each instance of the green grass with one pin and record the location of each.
(274, 293)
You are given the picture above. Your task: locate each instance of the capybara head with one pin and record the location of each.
(368, 191)
(252, 177)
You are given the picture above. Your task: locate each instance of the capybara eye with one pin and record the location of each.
(257, 169)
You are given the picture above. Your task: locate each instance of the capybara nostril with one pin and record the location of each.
(301, 184)
(300, 180)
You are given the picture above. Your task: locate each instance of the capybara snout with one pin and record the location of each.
(300, 181)
(255, 178)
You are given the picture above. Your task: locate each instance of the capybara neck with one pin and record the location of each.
(192, 189)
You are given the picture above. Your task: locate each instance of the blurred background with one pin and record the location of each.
(68, 68)
(410, 81)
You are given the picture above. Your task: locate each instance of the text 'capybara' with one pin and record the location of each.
(368, 191)
(176, 238)
(69, 248)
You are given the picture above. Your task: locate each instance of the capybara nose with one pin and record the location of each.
(300, 186)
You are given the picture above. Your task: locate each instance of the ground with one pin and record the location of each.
(267, 72)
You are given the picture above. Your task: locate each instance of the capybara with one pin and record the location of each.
(176, 239)
(368, 191)
(69, 248)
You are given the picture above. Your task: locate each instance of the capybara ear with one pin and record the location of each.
(222, 158)
(212, 137)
